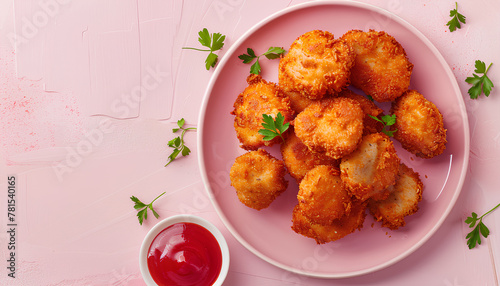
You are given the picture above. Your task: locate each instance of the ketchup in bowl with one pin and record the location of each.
(184, 253)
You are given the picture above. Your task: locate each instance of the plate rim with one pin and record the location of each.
(206, 98)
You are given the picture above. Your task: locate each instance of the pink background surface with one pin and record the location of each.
(90, 91)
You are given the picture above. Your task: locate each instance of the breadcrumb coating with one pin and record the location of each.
(260, 97)
(315, 64)
(382, 69)
(322, 195)
(339, 228)
(299, 159)
(299, 102)
(258, 178)
(370, 125)
(372, 168)
(332, 126)
(402, 202)
(419, 124)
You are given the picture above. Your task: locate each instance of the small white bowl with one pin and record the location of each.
(143, 263)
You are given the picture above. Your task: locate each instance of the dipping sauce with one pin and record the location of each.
(184, 254)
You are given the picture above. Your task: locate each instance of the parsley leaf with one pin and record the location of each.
(142, 208)
(454, 23)
(255, 68)
(204, 38)
(248, 58)
(178, 142)
(272, 53)
(214, 42)
(474, 237)
(218, 42)
(387, 120)
(480, 84)
(273, 128)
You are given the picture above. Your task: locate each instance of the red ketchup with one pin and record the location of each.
(184, 254)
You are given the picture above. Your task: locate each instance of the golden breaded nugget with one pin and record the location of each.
(372, 168)
(258, 178)
(333, 126)
(322, 195)
(315, 64)
(260, 97)
(403, 200)
(298, 102)
(370, 125)
(329, 232)
(382, 69)
(299, 159)
(419, 125)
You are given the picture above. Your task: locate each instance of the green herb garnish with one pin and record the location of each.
(142, 208)
(474, 237)
(178, 142)
(387, 120)
(454, 23)
(272, 53)
(214, 42)
(273, 127)
(480, 84)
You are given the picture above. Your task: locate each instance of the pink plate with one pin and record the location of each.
(267, 233)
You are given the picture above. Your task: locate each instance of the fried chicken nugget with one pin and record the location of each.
(258, 178)
(370, 125)
(298, 102)
(382, 69)
(260, 97)
(299, 159)
(341, 227)
(372, 168)
(403, 200)
(333, 126)
(419, 125)
(322, 195)
(315, 64)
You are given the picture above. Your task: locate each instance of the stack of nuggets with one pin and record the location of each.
(336, 152)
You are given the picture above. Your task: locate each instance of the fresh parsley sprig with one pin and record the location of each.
(142, 208)
(273, 128)
(178, 142)
(272, 53)
(214, 42)
(474, 237)
(454, 23)
(480, 84)
(387, 120)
